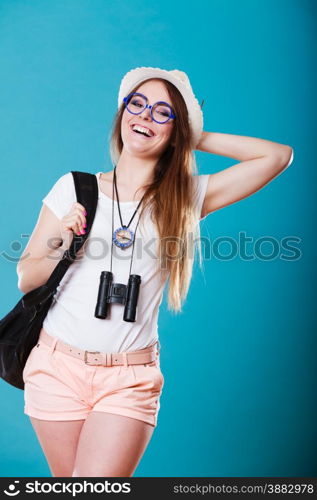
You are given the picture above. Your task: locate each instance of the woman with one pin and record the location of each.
(95, 418)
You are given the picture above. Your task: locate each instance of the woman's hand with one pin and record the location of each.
(73, 222)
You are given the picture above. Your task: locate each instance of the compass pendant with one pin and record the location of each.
(123, 237)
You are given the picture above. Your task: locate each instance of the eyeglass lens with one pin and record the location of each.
(161, 112)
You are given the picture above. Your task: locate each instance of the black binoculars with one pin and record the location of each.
(117, 292)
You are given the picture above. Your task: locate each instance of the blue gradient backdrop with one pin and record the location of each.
(240, 362)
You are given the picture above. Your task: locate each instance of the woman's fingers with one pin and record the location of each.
(75, 220)
(79, 211)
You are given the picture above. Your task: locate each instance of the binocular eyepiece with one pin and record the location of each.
(110, 292)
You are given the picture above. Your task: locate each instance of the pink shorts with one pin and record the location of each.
(61, 387)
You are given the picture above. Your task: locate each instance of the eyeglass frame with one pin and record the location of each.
(125, 100)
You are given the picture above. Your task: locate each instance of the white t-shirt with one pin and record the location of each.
(71, 316)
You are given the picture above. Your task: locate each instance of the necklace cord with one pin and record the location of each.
(114, 185)
(117, 195)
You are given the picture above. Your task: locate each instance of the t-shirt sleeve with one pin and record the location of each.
(61, 196)
(200, 188)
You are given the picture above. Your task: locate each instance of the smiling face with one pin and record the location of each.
(138, 144)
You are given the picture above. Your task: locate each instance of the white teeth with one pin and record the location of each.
(142, 129)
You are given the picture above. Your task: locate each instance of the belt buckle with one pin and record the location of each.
(91, 352)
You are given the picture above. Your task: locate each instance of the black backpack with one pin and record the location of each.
(20, 328)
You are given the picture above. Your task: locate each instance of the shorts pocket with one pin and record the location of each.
(29, 362)
(40, 361)
(154, 369)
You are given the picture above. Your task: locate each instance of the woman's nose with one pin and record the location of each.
(146, 113)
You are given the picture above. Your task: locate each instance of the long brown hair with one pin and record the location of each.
(170, 198)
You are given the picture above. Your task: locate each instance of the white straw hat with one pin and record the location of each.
(180, 80)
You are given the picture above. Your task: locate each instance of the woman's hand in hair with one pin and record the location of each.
(73, 222)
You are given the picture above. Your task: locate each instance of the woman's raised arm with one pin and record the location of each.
(261, 161)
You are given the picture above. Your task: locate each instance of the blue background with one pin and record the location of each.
(240, 362)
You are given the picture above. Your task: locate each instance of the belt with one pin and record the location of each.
(141, 356)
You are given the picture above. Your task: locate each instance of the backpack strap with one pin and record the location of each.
(86, 187)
